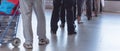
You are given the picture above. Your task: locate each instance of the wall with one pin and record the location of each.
(112, 6)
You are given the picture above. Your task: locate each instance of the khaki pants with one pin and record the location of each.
(26, 7)
(97, 6)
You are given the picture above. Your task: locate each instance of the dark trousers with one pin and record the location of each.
(55, 15)
(68, 4)
(80, 5)
(101, 7)
(62, 12)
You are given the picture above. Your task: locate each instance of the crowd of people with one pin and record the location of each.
(72, 10)
(64, 10)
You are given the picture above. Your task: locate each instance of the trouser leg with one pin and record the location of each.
(62, 13)
(70, 20)
(80, 4)
(74, 9)
(55, 15)
(70, 17)
(89, 9)
(93, 5)
(101, 7)
(26, 11)
(97, 6)
(41, 22)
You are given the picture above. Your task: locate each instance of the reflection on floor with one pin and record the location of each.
(100, 34)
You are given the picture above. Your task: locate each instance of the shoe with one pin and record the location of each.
(72, 33)
(89, 18)
(62, 25)
(28, 45)
(43, 41)
(96, 15)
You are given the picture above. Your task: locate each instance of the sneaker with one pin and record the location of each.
(43, 41)
(28, 45)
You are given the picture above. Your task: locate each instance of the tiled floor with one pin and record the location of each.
(100, 34)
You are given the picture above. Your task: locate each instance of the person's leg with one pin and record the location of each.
(74, 9)
(80, 4)
(55, 16)
(62, 15)
(93, 5)
(26, 11)
(101, 7)
(41, 26)
(97, 7)
(70, 18)
(89, 9)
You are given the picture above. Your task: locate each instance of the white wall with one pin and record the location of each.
(112, 6)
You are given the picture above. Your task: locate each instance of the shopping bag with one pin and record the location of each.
(6, 6)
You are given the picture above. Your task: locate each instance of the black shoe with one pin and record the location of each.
(43, 41)
(62, 25)
(89, 18)
(72, 33)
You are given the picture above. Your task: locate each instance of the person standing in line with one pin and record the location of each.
(68, 5)
(80, 4)
(26, 7)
